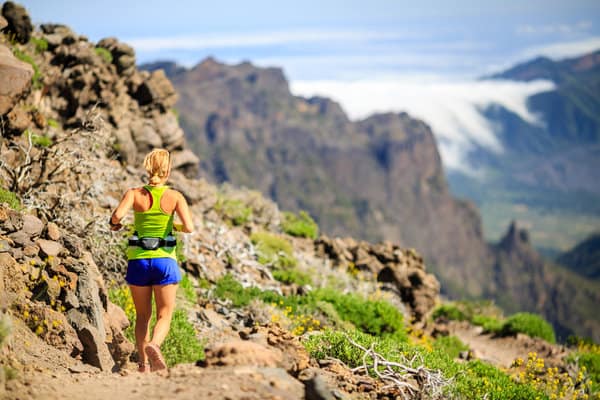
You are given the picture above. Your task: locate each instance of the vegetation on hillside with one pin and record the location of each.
(486, 315)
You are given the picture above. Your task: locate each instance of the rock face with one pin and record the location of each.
(402, 268)
(60, 297)
(15, 78)
(18, 22)
(383, 175)
(78, 76)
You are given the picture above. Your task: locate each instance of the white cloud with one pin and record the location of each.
(565, 29)
(563, 49)
(211, 41)
(450, 108)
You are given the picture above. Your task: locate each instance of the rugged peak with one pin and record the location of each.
(516, 233)
(515, 238)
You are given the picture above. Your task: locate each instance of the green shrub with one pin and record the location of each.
(187, 288)
(335, 344)
(374, 317)
(587, 355)
(591, 362)
(181, 344)
(449, 311)
(292, 275)
(301, 225)
(472, 380)
(105, 54)
(41, 44)
(180, 250)
(489, 324)
(273, 250)
(529, 324)
(484, 381)
(450, 345)
(234, 210)
(52, 123)
(39, 140)
(228, 288)
(6, 196)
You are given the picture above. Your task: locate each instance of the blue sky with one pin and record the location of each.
(342, 39)
(424, 57)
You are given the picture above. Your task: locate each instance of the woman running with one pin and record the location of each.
(152, 264)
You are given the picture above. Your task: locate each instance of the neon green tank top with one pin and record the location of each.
(152, 223)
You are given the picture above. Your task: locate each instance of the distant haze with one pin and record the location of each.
(451, 108)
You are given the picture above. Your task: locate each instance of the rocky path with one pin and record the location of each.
(184, 381)
(502, 351)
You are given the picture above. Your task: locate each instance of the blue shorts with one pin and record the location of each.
(153, 271)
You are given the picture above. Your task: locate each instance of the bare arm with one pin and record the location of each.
(124, 206)
(183, 211)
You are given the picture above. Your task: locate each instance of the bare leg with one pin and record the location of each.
(142, 299)
(164, 295)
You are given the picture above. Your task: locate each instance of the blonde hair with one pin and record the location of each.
(158, 165)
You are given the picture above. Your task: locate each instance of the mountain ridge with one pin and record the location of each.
(383, 174)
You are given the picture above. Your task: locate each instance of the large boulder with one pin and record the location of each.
(15, 79)
(156, 90)
(400, 270)
(123, 55)
(19, 23)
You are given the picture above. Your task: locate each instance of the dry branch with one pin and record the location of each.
(410, 382)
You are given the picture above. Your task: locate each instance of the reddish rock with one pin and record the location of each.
(18, 120)
(49, 248)
(32, 225)
(52, 231)
(15, 78)
(239, 352)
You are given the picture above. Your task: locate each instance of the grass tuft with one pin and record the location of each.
(301, 225)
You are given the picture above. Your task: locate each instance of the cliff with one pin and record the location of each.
(382, 176)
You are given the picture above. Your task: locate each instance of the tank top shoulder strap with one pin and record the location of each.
(156, 192)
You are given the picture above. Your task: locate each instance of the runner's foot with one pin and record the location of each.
(157, 362)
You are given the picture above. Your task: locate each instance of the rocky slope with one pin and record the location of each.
(77, 118)
(551, 290)
(584, 258)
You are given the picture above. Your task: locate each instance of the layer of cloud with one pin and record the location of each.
(258, 39)
(562, 29)
(452, 109)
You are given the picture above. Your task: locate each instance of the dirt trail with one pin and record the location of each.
(502, 351)
(184, 381)
(44, 372)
